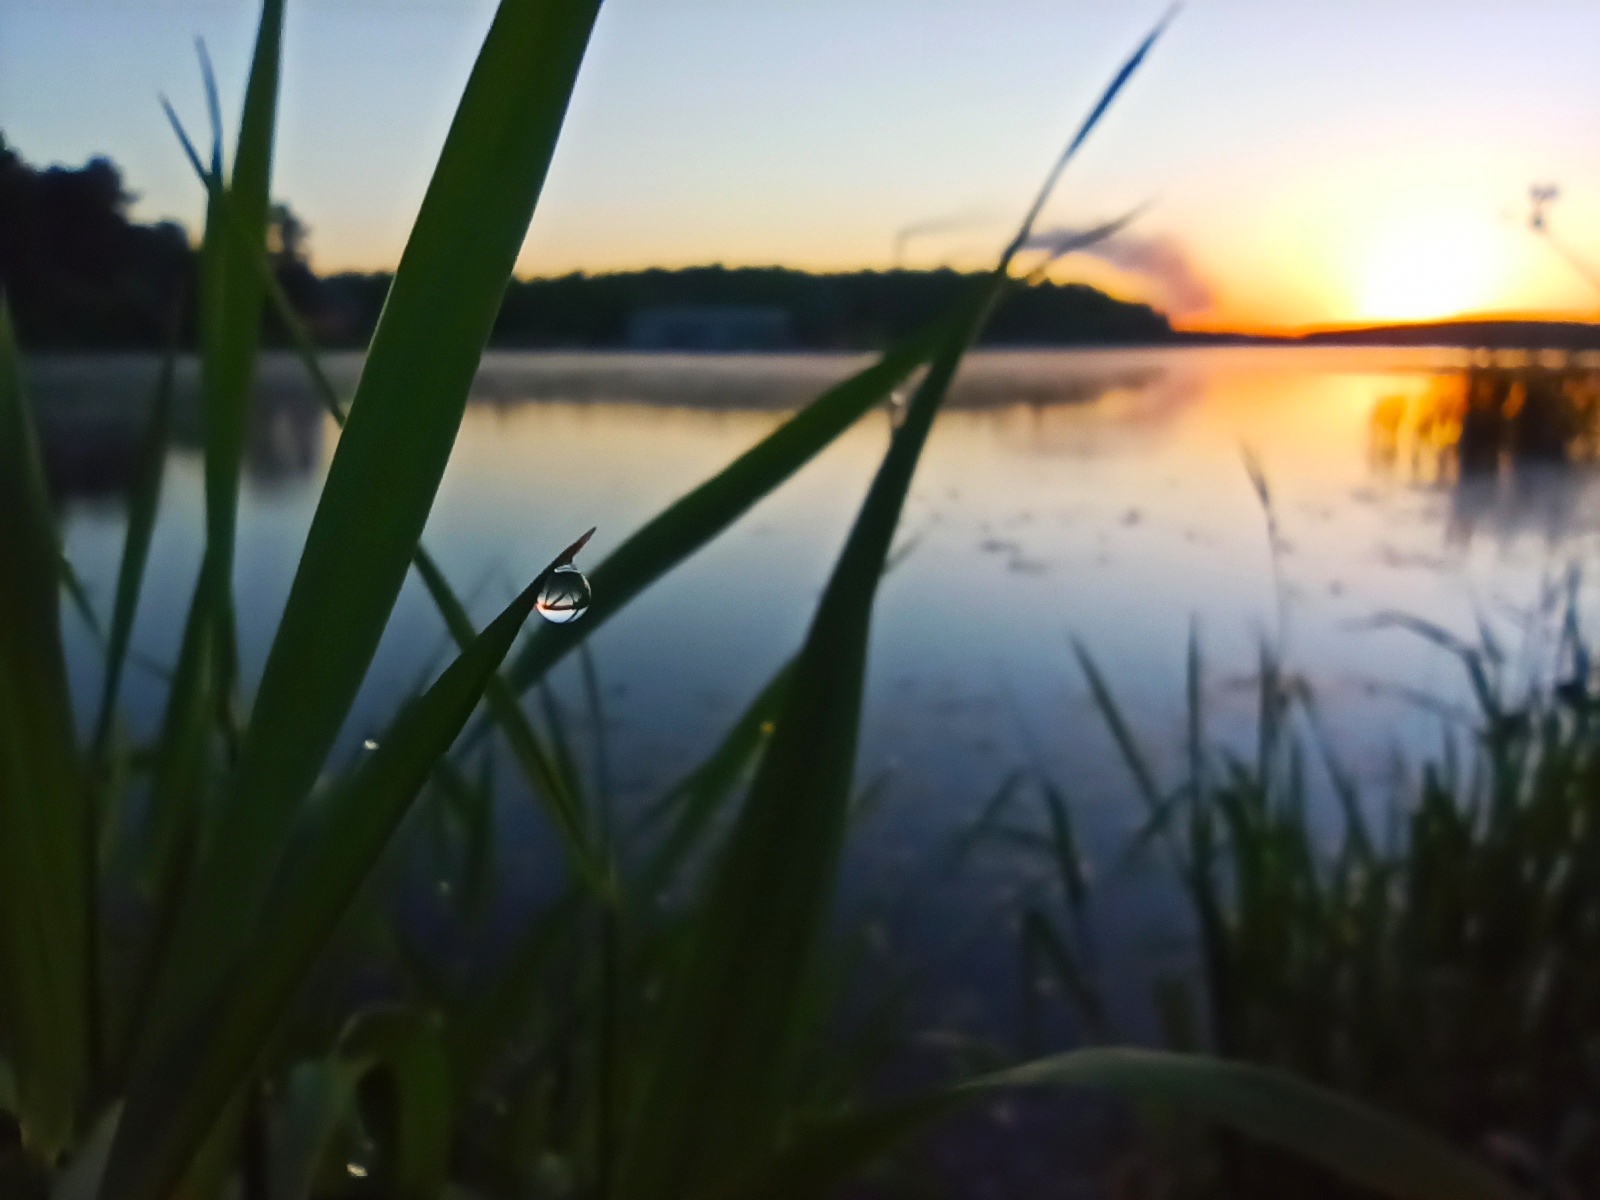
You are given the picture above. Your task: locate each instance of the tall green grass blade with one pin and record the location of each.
(232, 295)
(230, 317)
(381, 483)
(540, 767)
(407, 1046)
(692, 804)
(728, 1054)
(1040, 938)
(600, 759)
(143, 500)
(1118, 82)
(1360, 1143)
(144, 497)
(314, 1096)
(491, 1018)
(989, 821)
(1064, 845)
(1127, 744)
(174, 1099)
(526, 746)
(698, 517)
(43, 816)
(725, 1066)
(79, 595)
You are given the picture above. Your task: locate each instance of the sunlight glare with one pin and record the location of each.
(1431, 266)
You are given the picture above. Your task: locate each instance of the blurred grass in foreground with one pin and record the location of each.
(1433, 948)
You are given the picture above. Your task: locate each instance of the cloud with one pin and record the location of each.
(1159, 259)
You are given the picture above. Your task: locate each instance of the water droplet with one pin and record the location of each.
(369, 744)
(564, 597)
(897, 408)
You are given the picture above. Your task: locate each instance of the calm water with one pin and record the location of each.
(1091, 495)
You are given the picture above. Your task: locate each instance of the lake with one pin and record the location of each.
(1092, 495)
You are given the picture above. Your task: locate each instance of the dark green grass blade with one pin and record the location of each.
(79, 595)
(172, 1103)
(232, 295)
(1041, 939)
(143, 500)
(381, 483)
(527, 747)
(988, 823)
(313, 1097)
(524, 741)
(1118, 82)
(698, 517)
(1132, 753)
(693, 803)
(43, 818)
(1362, 1144)
(727, 1055)
(705, 512)
(407, 1046)
(230, 300)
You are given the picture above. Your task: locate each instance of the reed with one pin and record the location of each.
(1433, 954)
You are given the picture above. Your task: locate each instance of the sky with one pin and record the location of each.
(1305, 162)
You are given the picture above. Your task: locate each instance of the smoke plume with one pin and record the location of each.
(1159, 259)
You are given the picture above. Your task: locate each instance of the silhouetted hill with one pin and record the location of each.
(1472, 334)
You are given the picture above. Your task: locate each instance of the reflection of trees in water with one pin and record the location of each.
(1094, 415)
(1511, 437)
(89, 434)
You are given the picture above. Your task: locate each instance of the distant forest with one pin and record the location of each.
(79, 274)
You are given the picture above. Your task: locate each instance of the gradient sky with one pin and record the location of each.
(1311, 161)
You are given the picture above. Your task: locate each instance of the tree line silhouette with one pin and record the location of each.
(80, 274)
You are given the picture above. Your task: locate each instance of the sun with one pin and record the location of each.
(1430, 265)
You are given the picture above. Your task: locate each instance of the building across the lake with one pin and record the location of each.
(710, 327)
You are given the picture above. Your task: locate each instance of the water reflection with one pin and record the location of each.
(1509, 437)
(1097, 494)
(91, 410)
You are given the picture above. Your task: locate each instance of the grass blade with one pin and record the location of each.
(538, 764)
(728, 1054)
(381, 483)
(526, 746)
(43, 817)
(172, 1103)
(79, 595)
(698, 517)
(143, 500)
(314, 1097)
(727, 1059)
(694, 802)
(407, 1045)
(1364, 1145)
(1122, 733)
(231, 298)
